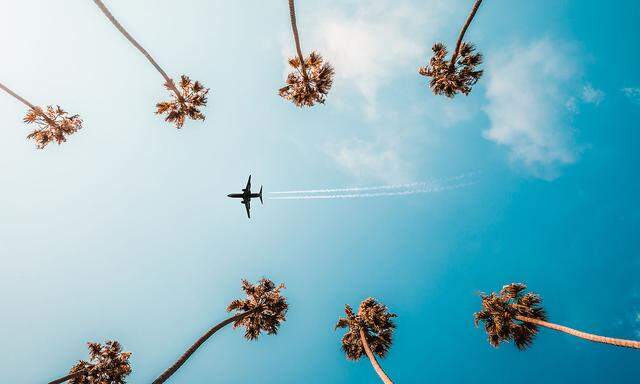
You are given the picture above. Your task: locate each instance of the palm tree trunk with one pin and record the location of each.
(27, 103)
(172, 369)
(20, 98)
(583, 335)
(374, 362)
(68, 377)
(296, 37)
(454, 57)
(133, 41)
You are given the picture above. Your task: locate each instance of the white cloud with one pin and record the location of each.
(377, 40)
(379, 160)
(591, 95)
(374, 45)
(588, 95)
(572, 104)
(528, 105)
(633, 93)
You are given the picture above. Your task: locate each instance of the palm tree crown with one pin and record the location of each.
(53, 123)
(108, 364)
(310, 83)
(267, 306)
(459, 74)
(499, 312)
(450, 78)
(375, 321)
(184, 103)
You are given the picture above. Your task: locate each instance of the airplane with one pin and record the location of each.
(246, 196)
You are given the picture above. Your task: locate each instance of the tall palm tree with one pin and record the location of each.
(185, 99)
(263, 310)
(311, 79)
(52, 123)
(107, 364)
(369, 331)
(454, 76)
(513, 315)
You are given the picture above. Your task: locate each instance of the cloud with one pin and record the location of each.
(379, 160)
(376, 47)
(633, 93)
(588, 95)
(529, 107)
(591, 95)
(572, 104)
(376, 41)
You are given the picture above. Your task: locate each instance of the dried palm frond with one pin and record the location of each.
(374, 319)
(269, 305)
(107, 365)
(53, 123)
(451, 78)
(499, 313)
(308, 84)
(185, 102)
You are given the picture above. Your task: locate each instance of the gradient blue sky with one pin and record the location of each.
(124, 232)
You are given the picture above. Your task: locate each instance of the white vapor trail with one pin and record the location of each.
(380, 187)
(375, 194)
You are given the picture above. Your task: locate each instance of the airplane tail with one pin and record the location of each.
(261, 202)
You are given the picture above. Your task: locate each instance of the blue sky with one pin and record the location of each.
(125, 232)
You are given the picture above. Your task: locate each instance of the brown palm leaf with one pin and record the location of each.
(451, 78)
(375, 320)
(308, 84)
(107, 365)
(268, 305)
(185, 102)
(499, 313)
(53, 123)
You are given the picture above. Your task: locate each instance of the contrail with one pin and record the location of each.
(375, 194)
(380, 187)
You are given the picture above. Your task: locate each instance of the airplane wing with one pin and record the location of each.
(248, 188)
(247, 205)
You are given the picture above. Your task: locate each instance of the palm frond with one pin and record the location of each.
(52, 124)
(269, 305)
(450, 79)
(186, 104)
(107, 364)
(375, 320)
(309, 85)
(499, 315)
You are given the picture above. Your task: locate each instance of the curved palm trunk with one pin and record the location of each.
(68, 377)
(172, 369)
(583, 335)
(374, 362)
(296, 37)
(454, 57)
(133, 41)
(27, 103)
(21, 99)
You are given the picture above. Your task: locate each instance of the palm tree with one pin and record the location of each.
(369, 331)
(263, 310)
(107, 364)
(52, 123)
(513, 315)
(451, 77)
(311, 79)
(185, 101)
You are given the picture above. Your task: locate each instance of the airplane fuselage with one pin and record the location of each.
(246, 196)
